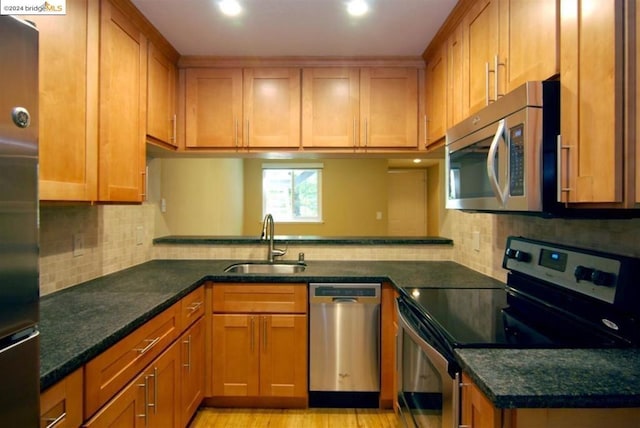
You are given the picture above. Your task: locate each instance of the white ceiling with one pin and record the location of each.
(298, 27)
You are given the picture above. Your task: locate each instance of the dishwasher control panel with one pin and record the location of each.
(359, 292)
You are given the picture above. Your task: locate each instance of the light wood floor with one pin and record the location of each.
(295, 418)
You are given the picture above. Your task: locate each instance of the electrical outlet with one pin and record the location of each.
(475, 241)
(139, 235)
(163, 205)
(78, 244)
(378, 215)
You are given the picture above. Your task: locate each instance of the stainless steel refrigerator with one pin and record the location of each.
(19, 284)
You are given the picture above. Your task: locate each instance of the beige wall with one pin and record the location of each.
(353, 189)
(203, 196)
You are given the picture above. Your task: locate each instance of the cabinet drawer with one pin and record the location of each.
(253, 298)
(106, 374)
(191, 308)
(61, 405)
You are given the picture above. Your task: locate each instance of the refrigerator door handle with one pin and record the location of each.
(33, 334)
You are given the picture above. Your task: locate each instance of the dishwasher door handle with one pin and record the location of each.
(344, 300)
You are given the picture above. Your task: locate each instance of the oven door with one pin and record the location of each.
(428, 395)
(497, 167)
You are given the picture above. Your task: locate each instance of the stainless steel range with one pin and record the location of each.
(556, 296)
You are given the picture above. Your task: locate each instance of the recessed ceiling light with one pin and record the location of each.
(417, 160)
(357, 7)
(230, 7)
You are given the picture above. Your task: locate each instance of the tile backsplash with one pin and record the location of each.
(615, 236)
(114, 237)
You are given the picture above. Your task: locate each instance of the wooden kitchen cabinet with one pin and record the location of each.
(436, 98)
(122, 107)
(161, 99)
(477, 411)
(150, 400)
(259, 334)
(68, 127)
(192, 379)
(272, 107)
(481, 44)
(108, 372)
(260, 355)
(214, 108)
(388, 108)
(61, 404)
(506, 43)
(592, 94)
(330, 107)
(457, 108)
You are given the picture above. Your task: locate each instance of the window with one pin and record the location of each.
(292, 193)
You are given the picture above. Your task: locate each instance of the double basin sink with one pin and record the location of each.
(266, 268)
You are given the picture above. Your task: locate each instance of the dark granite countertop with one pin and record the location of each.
(78, 323)
(555, 378)
(304, 239)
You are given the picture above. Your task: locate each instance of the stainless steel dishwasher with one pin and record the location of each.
(344, 344)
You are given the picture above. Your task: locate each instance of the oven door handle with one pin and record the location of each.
(501, 194)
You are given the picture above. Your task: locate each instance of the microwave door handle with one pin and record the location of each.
(501, 194)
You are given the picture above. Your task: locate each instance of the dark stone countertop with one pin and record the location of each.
(303, 239)
(555, 378)
(80, 322)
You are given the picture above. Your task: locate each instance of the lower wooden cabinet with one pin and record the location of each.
(260, 355)
(479, 412)
(150, 400)
(61, 404)
(192, 380)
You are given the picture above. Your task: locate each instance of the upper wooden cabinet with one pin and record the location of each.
(436, 98)
(388, 108)
(123, 74)
(480, 38)
(272, 107)
(68, 140)
(213, 103)
(592, 94)
(457, 107)
(330, 107)
(161, 100)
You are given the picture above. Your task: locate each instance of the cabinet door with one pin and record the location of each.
(480, 32)
(214, 108)
(164, 389)
(436, 99)
(330, 107)
(236, 355)
(528, 42)
(477, 410)
(123, 72)
(388, 108)
(272, 107)
(68, 140)
(457, 106)
(592, 101)
(161, 86)
(192, 366)
(61, 405)
(127, 410)
(283, 356)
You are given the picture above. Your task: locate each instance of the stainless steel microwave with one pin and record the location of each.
(504, 158)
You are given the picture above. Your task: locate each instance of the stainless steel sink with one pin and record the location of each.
(268, 268)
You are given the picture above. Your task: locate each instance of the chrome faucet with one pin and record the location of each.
(268, 227)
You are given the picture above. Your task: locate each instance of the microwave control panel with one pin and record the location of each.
(516, 160)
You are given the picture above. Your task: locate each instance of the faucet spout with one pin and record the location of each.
(268, 228)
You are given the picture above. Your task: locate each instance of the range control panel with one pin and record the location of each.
(583, 271)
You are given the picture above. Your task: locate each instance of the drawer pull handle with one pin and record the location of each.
(55, 421)
(194, 307)
(151, 344)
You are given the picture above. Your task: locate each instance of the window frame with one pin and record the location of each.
(316, 167)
